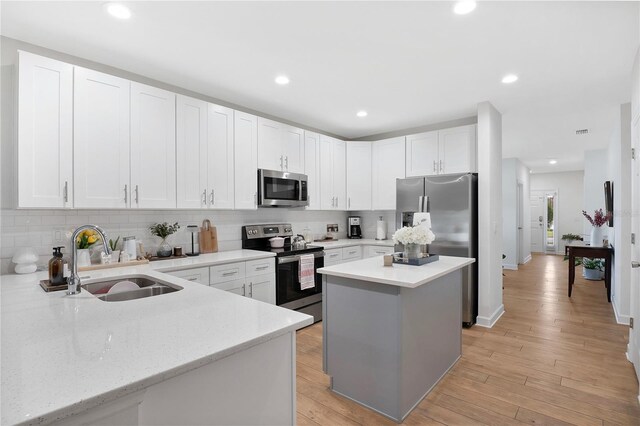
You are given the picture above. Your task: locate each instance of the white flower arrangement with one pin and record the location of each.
(413, 235)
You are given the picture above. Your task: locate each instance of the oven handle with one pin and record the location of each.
(291, 259)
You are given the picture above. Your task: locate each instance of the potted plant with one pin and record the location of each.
(413, 237)
(115, 254)
(597, 222)
(83, 242)
(163, 230)
(571, 237)
(592, 268)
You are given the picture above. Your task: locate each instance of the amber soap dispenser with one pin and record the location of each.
(57, 266)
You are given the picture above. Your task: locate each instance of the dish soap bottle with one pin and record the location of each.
(57, 267)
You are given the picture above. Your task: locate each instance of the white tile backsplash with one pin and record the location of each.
(40, 228)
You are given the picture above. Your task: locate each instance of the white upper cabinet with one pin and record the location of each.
(333, 193)
(101, 140)
(153, 147)
(312, 168)
(457, 150)
(422, 154)
(246, 160)
(191, 152)
(388, 164)
(45, 144)
(359, 175)
(442, 152)
(280, 146)
(221, 162)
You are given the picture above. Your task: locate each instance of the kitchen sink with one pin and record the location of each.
(147, 288)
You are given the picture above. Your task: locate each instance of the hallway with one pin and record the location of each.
(550, 359)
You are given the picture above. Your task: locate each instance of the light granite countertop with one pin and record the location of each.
(346, 242)
(65, 354)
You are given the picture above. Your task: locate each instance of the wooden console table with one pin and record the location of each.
(583, 250)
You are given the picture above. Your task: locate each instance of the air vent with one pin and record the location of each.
(582, 131)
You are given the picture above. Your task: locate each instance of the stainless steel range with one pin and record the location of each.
(288, 291)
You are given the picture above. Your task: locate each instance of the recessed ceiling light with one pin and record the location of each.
(464, 7)
(362, 113)
(118, 10)
(509, 78)
(553, 161)
(282, 80)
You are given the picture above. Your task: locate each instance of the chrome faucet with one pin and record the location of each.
(73, 283)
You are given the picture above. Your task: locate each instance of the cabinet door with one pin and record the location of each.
(220, 157)
(340, 174)
(235, 286)
(388, 162)
(45, 144)
(332, 257)
(101, 140)
(359, 175)
(293, 144)
(245, 160)
(153, 147)
(312, 168)
(327, 196)
(270, 149)
(422, 154)
(191, 152)
(457, 150)
(263, 288)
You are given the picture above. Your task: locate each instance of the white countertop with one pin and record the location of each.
(209, 259)
(64, 354)
(346, 242)
(408, 276)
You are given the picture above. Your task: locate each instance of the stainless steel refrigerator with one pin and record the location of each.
(452, 201)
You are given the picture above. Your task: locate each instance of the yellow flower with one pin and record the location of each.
(92, 239)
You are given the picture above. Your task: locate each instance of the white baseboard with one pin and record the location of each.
(510, 266)
(489, 322)
(527, 259)
(620, 319)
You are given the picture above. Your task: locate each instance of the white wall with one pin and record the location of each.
(515, 173)
(490, 306)
(569, 187)
(619, 172)
(595, 174)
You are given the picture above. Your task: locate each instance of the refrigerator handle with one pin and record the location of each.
(423, 204)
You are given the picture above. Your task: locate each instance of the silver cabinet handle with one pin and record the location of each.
(125, 193)
(352, 252)
(250, 289)
(204, 197)
(333, 201)
(286, 162)
(262, 268)
(243, 291)
(193, 279)
(255, 198)
(333, 255)
(434, 166)
(212, 198)
(137, 195)
(441, 168)
(349, 201)
(635, 264)
(228, 274)
(281, 166)
(66, 191)
(336, 201)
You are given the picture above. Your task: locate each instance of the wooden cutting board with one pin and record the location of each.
(208, 238)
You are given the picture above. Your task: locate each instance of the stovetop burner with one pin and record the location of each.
(288, 251)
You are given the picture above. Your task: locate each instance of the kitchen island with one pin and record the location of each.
(194, 356)
(391, 333)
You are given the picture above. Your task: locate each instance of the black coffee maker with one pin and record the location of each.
(353, 227)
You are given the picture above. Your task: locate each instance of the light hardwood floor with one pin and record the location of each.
(550, 360)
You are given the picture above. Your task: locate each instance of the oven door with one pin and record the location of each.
(281, 189)
(288, 284)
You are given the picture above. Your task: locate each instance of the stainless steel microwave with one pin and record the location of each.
(281, 189)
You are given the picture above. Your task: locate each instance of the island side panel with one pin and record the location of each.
(431, 336)
(362, 342)
(254, 386)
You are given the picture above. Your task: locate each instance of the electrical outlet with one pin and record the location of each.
(333, 227)
(59, 236)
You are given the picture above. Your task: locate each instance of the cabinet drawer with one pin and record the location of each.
(261, 266)
(351, 253)
(233, 286)
(373, 251)
(196, 275)
(332, 257)
(228, 272)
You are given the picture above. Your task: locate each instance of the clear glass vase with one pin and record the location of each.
(164, 249)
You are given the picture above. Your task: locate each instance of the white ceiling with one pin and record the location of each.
(407, 63)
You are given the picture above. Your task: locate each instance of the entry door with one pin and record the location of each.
(634, 333)
(537, 202)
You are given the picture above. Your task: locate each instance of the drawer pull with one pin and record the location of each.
(193, 279)
(227, 274)
(333, 255)
(262, 268)
(352, 252)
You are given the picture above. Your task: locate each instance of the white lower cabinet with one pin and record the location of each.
(352, 253)
(373, 251)
(196, 275)
(332, 257)
(254, 278)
